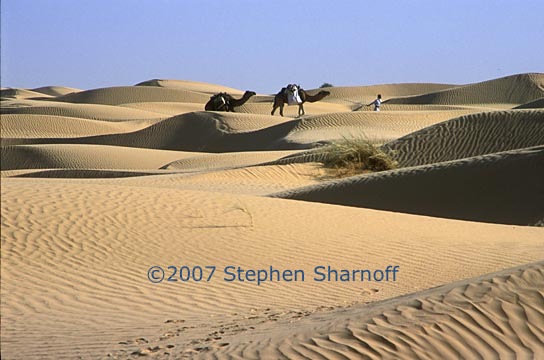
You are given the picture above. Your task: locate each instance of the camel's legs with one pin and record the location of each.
(277, 104)
(274, 107)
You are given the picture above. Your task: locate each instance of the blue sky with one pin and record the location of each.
(262, 44)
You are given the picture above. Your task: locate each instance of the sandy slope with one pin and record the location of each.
(515, 89)
(100, 185)
(56, 90)
(85, 111)
(129, 94)
(96, 243)
(535, 104)
(36, 126)
(209, 162)
(471, 135)
(196, 86)
(356, 95)
(41, 93)
(49, 156)
(478, 189)
(476, 318)
(377, 127)
(167, 108)
(265, 108)
(198, 131)
(13, 93)
(233, 178)
(219, 132)
(423, 137)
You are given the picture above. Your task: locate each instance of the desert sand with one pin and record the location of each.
(101, 186)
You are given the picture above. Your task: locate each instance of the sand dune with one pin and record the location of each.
(100, 185)
(131, 94)
(216, 132)
(426, 107)
(477, 189)
(363, 94)
(265, 108)
(34, 126)
(56, 90)
(516, 89)
(209, 162)
(167, 108)
(78, 173)
(96, 243)
(238, 123)
(40, 93)
(476, 318)
(196, 86)
(257, 180)
(536, 104)
(199, 131)
(470, 135)
(376, 127)
(11, 93)
(249, 180)
(84, 111)
(48, 156)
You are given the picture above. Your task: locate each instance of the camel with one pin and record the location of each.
(281, 99)
(225, 102)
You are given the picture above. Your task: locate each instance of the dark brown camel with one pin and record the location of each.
(281, 99)
(225, 102)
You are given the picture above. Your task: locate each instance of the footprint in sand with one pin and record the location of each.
(369, 291)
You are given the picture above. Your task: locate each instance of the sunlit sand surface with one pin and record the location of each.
(100, 185)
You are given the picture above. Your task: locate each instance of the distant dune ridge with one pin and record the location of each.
(190, 86)
(100, 185)
(56, 90)
(128, 94)
(85, 111)
(514, 89)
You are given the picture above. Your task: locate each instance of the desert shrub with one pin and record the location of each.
(355, 156)
(326, 85)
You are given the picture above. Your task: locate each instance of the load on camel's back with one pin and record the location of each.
(219, 102)
(293, 97)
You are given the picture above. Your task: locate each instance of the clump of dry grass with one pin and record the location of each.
(350, 157)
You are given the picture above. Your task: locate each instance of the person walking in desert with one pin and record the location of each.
(377, 103)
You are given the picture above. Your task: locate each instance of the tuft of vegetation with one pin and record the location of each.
(326, 85)
(350, 157)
